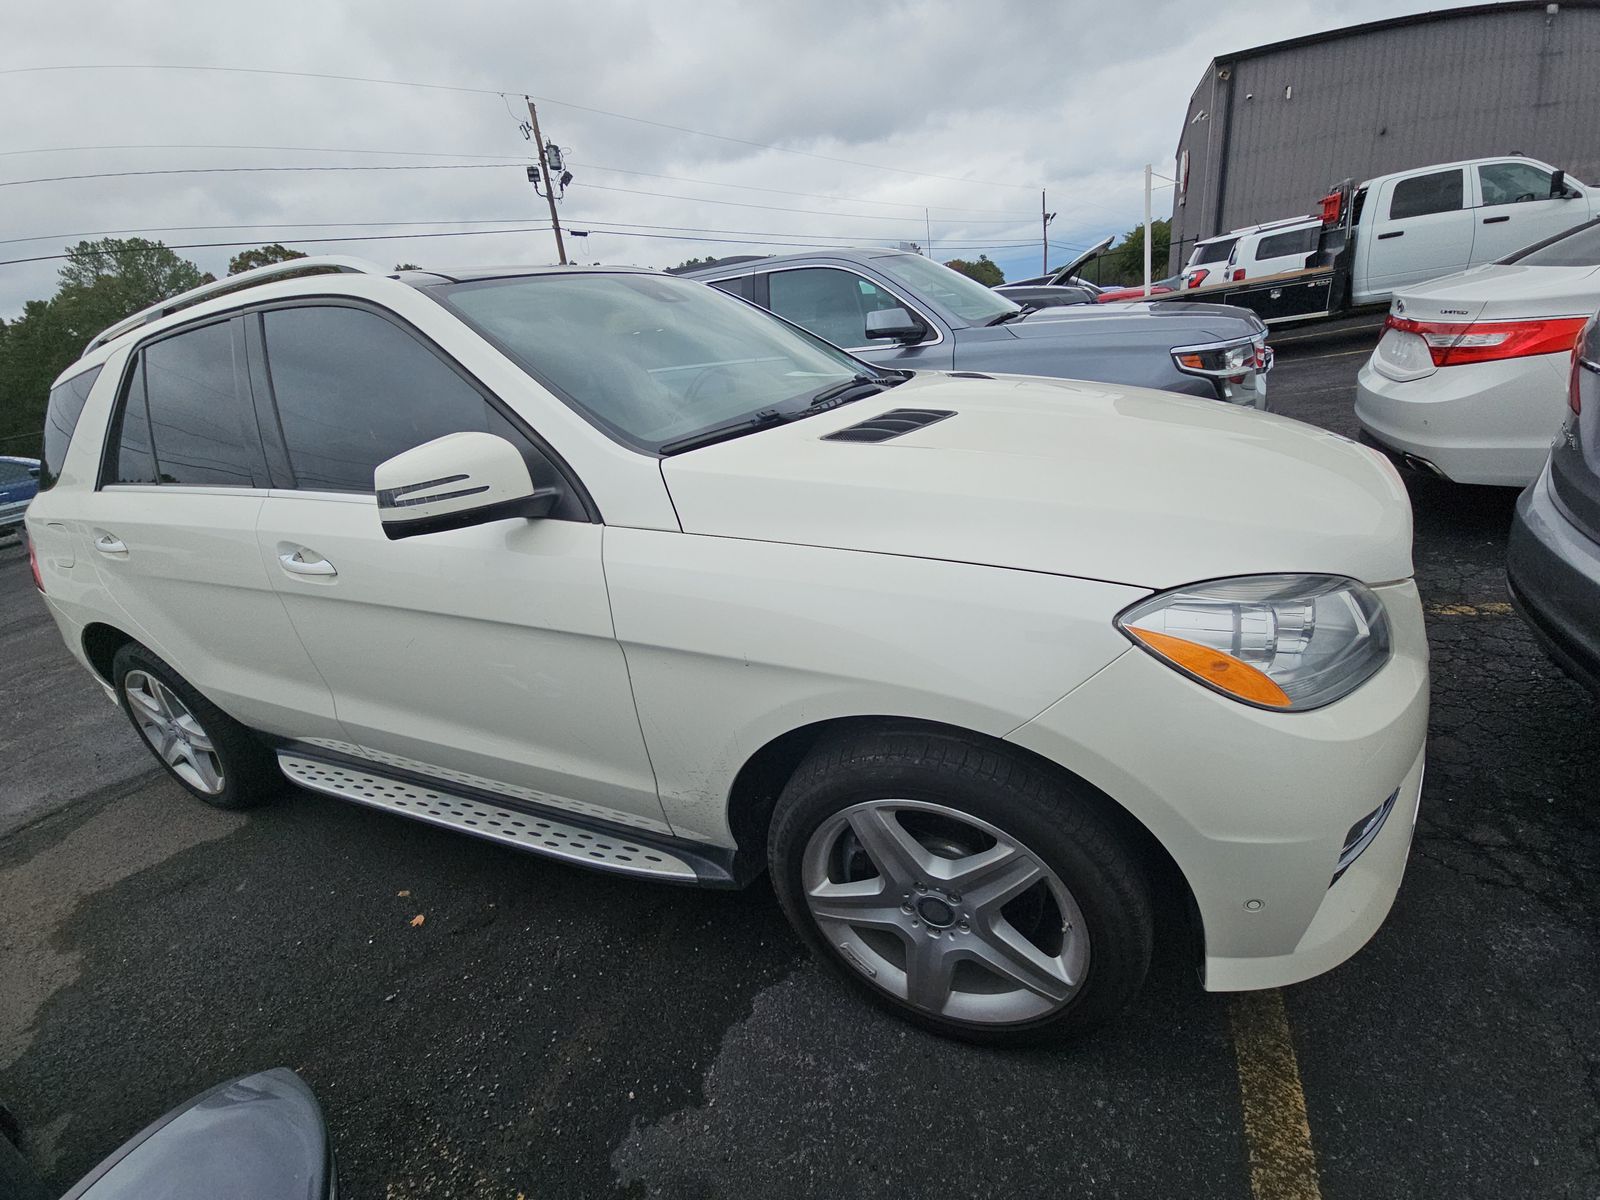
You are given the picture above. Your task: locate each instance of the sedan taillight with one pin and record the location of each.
(1452, 343)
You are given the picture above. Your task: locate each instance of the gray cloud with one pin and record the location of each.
(1073, 97)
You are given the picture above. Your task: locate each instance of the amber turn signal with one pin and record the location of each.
(1221, 671)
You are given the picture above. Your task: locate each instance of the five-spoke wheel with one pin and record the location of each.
(961, 884)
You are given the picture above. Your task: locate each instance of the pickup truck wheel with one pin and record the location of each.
(964, 888)
(208, 752)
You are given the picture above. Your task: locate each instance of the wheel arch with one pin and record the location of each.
(759, 782)
(100, 645)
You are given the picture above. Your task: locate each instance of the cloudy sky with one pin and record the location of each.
(835, 122)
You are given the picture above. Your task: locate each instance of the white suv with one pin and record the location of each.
(616, 568)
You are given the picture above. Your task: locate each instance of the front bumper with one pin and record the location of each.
(1483, 423)
(1254, 806)
(1553, 574)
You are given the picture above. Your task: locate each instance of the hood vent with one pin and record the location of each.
(890, 425)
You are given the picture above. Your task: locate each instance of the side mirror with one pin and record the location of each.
(894, 325)
(458, 480)
(1559, 189)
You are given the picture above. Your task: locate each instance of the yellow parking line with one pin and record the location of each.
(1493, 608)
(1283, 1166)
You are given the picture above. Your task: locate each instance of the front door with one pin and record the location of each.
(1423, 230)
(1517, 210)
(484, 655)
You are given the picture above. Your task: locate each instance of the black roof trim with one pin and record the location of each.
(1423, 18)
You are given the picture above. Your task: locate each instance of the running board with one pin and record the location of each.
(539, 834)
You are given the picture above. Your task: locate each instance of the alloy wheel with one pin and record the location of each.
(173, 732)
(945, 911)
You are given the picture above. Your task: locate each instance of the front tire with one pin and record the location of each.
(961, 886)
(210, 754)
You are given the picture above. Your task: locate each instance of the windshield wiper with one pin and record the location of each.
(764, 419)
(1021, 312)
(839, 391)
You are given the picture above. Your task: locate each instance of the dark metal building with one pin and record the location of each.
(1270, 129)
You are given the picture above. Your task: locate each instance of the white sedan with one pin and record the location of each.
(1469, 380)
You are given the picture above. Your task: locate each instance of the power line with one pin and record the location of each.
(812, 195)
(617, 227)
(816, 212)
(236, 146)
(246, 170)
(499, 158)
(390, 237)
(445, 87)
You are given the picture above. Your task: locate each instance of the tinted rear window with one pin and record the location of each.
(1440, 192)
(1296, 241)
(194, 409)
(61, 419)
(1578, 247)
(1210, 252)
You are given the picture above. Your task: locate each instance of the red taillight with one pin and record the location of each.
(1452, 343)
(1238, 274)
(1332, 205)
(33, 565)
(1198, 277)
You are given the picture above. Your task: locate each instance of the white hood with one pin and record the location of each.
(1094, 480)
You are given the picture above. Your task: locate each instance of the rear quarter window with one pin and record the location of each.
(67, 399)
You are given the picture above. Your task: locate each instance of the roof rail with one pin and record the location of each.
(245, 279)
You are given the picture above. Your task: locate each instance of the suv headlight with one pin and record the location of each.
(1224, 360)
(1286, 642)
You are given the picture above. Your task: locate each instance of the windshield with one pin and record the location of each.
(1578, 247)
(649, 359)
(1210, 252)
(950, 290)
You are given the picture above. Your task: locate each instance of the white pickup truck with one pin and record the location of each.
(1411, 226)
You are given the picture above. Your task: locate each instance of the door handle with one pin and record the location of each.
(1392, 233)
(1496, 220)
(108, 543)
(306, 562)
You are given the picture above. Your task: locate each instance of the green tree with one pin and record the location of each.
(407, 267)
(100, 283)
(262, 256)
(984, 271)
(1124, 262)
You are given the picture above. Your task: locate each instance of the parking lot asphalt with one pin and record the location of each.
(549, 1032)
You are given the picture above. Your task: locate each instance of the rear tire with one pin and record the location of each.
(211, 755)
(1023, 914)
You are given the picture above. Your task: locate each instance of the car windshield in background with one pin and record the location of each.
(952, 291)
(651, 360)
(1578, 247)
(1210, 252)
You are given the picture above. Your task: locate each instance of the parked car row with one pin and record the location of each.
(687, 592)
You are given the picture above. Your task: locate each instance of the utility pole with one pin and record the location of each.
(927, 231)
(1044, 228)
(550, 192)
(1147, 230)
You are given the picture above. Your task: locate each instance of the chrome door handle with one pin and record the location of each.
(108, 543)
(306, 562)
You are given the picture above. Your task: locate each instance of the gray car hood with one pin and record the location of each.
(1186, 323)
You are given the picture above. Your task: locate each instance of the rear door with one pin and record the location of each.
(1285, 250)
(1515, 209)
(483, 655)
(171, 532)
(1423, 229)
